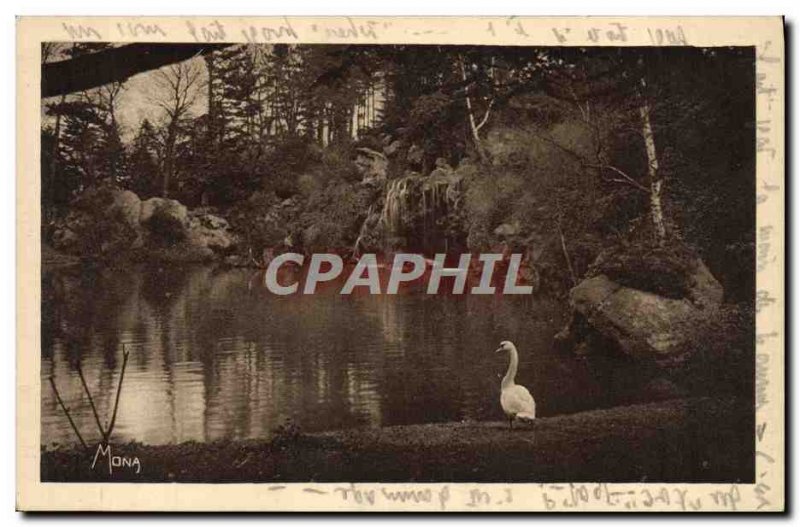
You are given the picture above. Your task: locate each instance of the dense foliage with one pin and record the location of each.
(542, 150)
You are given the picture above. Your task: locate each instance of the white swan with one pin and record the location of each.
(516, 400)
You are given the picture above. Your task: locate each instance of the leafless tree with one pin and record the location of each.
(107, 97)
(51, 51)
(177, 88)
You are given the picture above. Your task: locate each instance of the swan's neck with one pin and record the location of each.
(508, 380)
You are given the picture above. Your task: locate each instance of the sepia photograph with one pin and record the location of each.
(276, 262)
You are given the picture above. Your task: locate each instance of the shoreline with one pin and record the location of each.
(678, 440)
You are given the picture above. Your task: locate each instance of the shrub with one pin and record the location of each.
(99, 232)
(290, 158)
(324, 210)
(336, 213)
(260, 221)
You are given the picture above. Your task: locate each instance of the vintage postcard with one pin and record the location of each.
(400, 264)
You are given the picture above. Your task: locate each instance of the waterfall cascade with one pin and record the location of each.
(396, 206)
(416, 198)
(413, 201)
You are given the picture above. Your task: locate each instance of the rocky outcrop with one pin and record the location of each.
(640, 324)
(507, 230)
(101, 222)
(110, 221)
(312, 236)
(165, 219)
(414, 156)
(392, 148)
(127, 205)
(211, 232)
(371, 164)
(705, 291)
(163, 208)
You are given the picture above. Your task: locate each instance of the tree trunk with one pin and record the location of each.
(54, 159)
(656, 183)
(474, 126)
(165, 181)
(212, 114)
(169, 159)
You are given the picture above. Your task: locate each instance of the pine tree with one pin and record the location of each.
(143, 168)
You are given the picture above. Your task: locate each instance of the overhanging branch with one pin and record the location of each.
(114, 65)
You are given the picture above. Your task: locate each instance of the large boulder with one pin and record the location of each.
(371, 164)
(313, 236)
(210, 231)
(706, 291)
(507, 230)
(641, 324)
(415, 155)
(165, 218)
(128, 206)
(392, 148)
(107, 222)
(163, 207)
(102, 219)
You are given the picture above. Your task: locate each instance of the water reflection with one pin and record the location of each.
(214, 357)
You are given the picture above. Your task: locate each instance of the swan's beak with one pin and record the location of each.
(498, 350)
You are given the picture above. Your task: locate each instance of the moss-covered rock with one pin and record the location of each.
(164, 218)
(643, 324)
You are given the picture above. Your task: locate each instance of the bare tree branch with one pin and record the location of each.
(178, 87)
(110, 428)
(486, 115)
(66, 412)
(625, 177)
(600, 164)
(564, 250)
(91, 401)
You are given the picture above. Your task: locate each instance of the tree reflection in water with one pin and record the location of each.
(214, 357)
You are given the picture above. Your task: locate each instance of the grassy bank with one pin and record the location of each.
(686, 440)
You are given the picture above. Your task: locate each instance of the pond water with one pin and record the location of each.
(214, 355)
